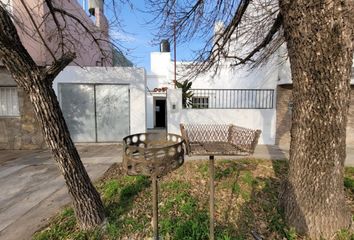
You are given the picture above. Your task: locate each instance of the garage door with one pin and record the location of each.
(95, 113)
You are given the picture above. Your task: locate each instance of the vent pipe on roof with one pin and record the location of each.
(165, 46)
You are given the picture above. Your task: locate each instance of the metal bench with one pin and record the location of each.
(218, 139)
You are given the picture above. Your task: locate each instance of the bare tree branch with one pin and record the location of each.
(275, 28)
(12, 52)
(59, 65)
(250, 36)
(95, 39)
(56, 21)
(38, 31)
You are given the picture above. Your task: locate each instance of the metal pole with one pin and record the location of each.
(211, 201)
(174, 53)
(155, 218)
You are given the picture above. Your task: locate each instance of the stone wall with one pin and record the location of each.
(22, 132)
(283, 107)
(283, 125)
(350, 125)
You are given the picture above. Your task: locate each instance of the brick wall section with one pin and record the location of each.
(22, 132)
(283, 125)
(350, 126)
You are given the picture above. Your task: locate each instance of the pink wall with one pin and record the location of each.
(76, 38)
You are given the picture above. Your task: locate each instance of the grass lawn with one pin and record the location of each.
(246, 200)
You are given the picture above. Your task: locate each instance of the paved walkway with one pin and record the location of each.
(33, 190)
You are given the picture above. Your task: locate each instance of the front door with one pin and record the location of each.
(160, 113)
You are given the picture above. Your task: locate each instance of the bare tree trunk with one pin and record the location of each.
(86, 200)
(319, 37)
(37, 83)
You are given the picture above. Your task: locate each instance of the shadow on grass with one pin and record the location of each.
(116, 208)
(233, 169)
(259, 216)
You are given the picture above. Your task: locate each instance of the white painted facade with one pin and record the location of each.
(160, 76)
(263, 119)
(276, 71)
(264, 77)
(134, 77)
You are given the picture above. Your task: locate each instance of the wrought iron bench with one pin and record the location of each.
(219, 139)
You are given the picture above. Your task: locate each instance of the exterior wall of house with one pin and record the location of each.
(283, 125)
(23, 131)
(76, 37)
(350, 125)
(134, 77)
(283, 108)
(264, 77)
(26, 28)
(263, 119)
(79, 41)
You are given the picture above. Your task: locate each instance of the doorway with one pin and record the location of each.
(160, 113)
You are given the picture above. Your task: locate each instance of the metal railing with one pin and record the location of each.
(232, 98)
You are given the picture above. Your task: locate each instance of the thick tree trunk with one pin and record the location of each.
(37, 83)
(86, 200)
(319, 37)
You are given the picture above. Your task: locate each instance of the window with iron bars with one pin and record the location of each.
(9, 106)
(232, 98)
(200, 102)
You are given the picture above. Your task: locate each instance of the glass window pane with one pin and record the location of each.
(9, 102)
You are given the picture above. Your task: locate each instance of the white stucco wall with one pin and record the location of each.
(263, 77)
(149, 111)
(228, 77)
(160, 63)
(134, 77)
(263, 119)
(240, 77)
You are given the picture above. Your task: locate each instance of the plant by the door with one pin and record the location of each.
(187, 94)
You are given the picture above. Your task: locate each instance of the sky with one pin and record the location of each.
(136, 36)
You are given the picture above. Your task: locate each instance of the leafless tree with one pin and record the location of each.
(259, 31)
(319, 39)
(63, 41)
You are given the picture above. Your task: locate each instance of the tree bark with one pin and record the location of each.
(319, 37)
(37, 83)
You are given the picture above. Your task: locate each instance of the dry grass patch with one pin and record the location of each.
(246, 195)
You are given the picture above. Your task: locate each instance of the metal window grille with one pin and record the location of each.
(9, 102)
(200, 102)
(232, 98)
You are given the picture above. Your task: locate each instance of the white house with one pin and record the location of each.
(257, 98)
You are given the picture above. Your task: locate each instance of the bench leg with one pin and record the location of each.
(155, 207)
(211, 201)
